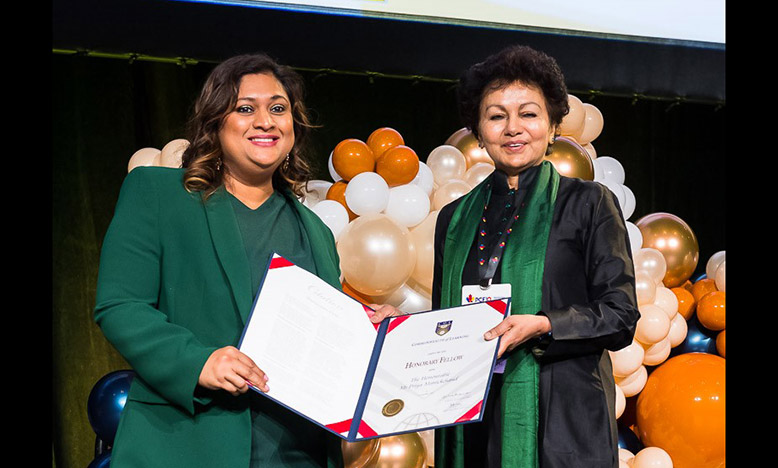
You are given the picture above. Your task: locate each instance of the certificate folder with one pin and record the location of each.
(327, 362)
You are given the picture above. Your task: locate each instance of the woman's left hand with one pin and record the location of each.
(517, 329)
(382, 311)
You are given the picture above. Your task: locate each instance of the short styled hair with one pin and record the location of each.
(218, 97)
(514, 63)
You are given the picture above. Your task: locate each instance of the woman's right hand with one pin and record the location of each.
(230, 370)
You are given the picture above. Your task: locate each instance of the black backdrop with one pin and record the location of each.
(663, 107)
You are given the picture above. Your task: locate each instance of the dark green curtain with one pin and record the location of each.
(106, 109)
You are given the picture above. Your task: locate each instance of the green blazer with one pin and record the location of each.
(173, 286)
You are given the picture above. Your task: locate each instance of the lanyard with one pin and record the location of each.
(487, 264)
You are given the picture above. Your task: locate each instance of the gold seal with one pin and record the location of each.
(392, 407)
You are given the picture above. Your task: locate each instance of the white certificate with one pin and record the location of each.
(327, 362)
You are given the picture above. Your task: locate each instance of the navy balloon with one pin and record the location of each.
(101, 461)
(106, 402)
(628, 440)
(698, 339)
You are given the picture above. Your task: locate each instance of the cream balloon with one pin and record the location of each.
(632, 384)
(627, 360)
(652, 457)
(429, 444)
(592, 126)
(424, 179)
(645, 287)
(446, 163)
(720, 277)
(408, 204)
(678, 330)
(625, 455)
(713, 263)
(423, 236)
(573, 123)
(652, 262)
(621, 401)
(409, 300)
(333, 214)
(477, 173)
(171, 153)
(590, 149)
(449, 192)
(657, 353)
(653, 325)
(666, 300)
(377, 255)
(635, 237)
(367, 193)
(143, 157)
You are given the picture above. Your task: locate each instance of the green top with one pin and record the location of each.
(279, 437)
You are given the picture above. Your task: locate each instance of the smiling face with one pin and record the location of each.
(258, 133)
(514, 126)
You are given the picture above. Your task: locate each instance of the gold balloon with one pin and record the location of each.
(465, 142)
(571, 159)
(402, 451)
(670, 235)
(360, 454)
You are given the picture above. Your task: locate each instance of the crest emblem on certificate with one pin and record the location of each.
(443, 327)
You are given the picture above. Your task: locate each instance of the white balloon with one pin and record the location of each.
(333, 173)
(720, 276)
(408, 204)
(611, 169)
(657, 353)
(629, 202)
(424, 178)
(635, 237)
(713, 263)
(367, 193)
(333, 214)
(314, 192)
(617, 190)
(652, 457)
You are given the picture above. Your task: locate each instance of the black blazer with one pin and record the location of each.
(589, 297)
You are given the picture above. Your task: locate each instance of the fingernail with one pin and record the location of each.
(487, 335)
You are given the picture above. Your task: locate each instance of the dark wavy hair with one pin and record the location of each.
(203, 157)
(514, 63)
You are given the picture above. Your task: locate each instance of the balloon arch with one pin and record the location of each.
(381, 206)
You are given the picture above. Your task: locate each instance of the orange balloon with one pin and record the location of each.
(398, 165)
(721, 343)
(382, 139)
(682, 410)
(686, 301)
(337, 192)
(464, 141)
(703, 287)
(351, 157)
(712, 310)
(688, 285)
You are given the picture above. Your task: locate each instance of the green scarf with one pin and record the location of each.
(522, 265)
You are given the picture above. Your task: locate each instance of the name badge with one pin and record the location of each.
(475, 293)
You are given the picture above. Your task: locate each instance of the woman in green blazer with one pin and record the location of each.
(181, 262)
